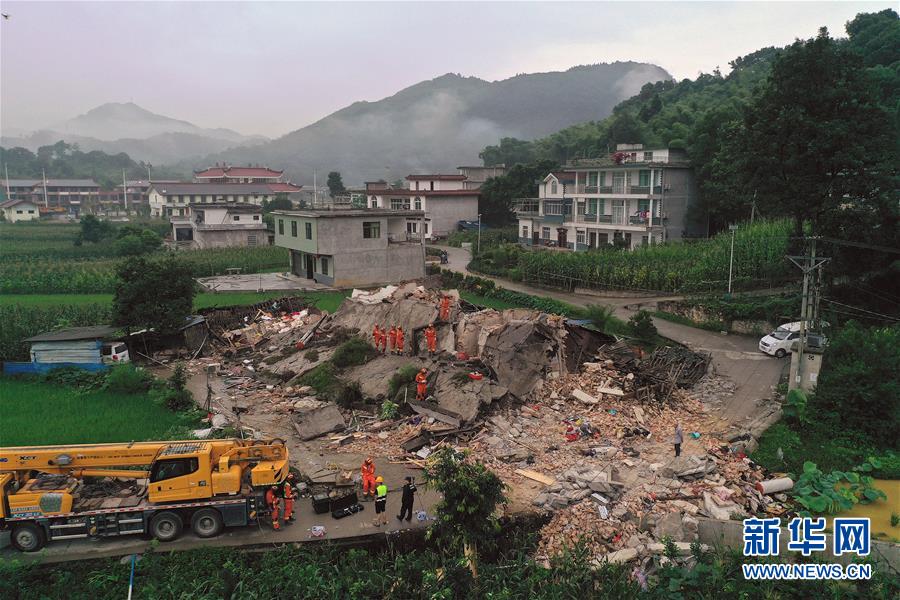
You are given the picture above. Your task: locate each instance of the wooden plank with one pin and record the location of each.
(535, 476)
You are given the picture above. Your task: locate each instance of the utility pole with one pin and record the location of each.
(44, 185)
(6, 172)
(478, 247)
(753, 208)
(733, 228)
(125, 191)
(809, 302)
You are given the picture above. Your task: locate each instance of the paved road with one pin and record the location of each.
(736, 357)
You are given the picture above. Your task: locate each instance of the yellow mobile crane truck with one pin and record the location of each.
(101, 490)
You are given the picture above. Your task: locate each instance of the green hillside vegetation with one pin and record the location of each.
(67, 161)
(757, 131)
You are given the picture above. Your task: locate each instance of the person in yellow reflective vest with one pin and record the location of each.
(381, 491)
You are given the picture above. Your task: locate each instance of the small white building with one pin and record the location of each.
(20, 210)
(444, 198)
(220, 226)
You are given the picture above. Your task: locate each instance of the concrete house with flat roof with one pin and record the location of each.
(352, 247)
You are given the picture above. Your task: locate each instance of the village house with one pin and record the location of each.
(352, 247)
(443, 198)
(175, 199)
(68, 197)
(20, 210)
(477, 176)
(219, 226)
(632, 198)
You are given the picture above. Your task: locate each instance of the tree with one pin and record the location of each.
(470, 495)
(816, 141)
(93, 230)
(153, 294)
(498, 193)
(858, 384)
(510, 152)
(137, 241)
(335, 184)
(279, 202)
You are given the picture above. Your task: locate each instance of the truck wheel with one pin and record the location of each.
(28, 537)
(165, 526)
(780, 353)
(207, 523)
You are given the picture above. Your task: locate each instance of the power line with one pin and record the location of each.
(860, 309)
(859, 316)
(860, 245)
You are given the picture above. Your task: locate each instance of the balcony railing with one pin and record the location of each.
(636, 220)
(624, 188)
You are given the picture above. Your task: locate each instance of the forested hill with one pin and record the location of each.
(66, 161)
(439, 124)
(715, 117)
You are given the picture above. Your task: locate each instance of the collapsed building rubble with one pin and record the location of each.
(579, 424)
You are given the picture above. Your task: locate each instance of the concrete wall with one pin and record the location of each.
(676, 202)
(445, 213)
(396, 263)
(299, 241)
(230, 237)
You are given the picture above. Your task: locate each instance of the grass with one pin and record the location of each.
(708, 325)
(486, 302)
(38, 413)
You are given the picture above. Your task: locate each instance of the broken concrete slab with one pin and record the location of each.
(319, 421)
(436, 412)
(584, 397)
(670, 525)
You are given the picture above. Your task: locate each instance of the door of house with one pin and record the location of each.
(561, 237)
(536, 237)
(592, 239)
(618, 182)
(618, 212)
(309, 266)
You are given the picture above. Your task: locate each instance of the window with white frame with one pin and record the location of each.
(545, 233)
(579, 236)
(524, 231)
(418, 203)
(648, 156)
(592, 178)
(553, 187)
(553, 208)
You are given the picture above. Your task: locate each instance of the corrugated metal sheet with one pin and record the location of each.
(72, 351)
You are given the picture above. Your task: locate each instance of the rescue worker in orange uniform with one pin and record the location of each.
(445, 308)
(368, 478)
(274, 503)
(421, 384)
(400, 340)
(383, 339)
(288, 493)
(376, 336)
(431, 338)
(392, 339)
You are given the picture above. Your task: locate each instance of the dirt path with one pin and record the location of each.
(736, 357)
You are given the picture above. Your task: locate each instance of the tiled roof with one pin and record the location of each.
(405, 192)
(167, 189)
(436, 177)
(13, 202)
(68, 183)
(20, 182)
(284, 187)
(215, 172)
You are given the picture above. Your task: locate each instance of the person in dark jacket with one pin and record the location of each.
(406, 501)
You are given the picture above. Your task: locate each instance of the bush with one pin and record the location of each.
(128, 379)
(174, 394)
(322, 378)
(311, 355)
(859, 384)
(600, 316)
(404, 377)
(641, 326)
(389, 410)
(353, 352)
(76, 378)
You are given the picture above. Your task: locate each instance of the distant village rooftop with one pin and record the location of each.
(436, 177)
(229, 171)
(350, 212)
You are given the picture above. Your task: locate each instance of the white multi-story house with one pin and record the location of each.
(632, 198)
(444, 198)
(175, 199)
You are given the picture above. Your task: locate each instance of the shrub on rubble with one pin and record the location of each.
(348, 394)
(404, 377)
(311, 355)
(128, 379)
(641, 326)
(353, 352)
(322, 378)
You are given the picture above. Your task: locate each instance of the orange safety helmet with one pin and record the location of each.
(379, 479)
(423, 370)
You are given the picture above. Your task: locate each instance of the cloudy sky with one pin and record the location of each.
(272, 67)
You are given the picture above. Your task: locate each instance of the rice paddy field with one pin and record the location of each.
(39, 413)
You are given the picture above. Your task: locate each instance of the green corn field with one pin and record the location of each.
(759, 259)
